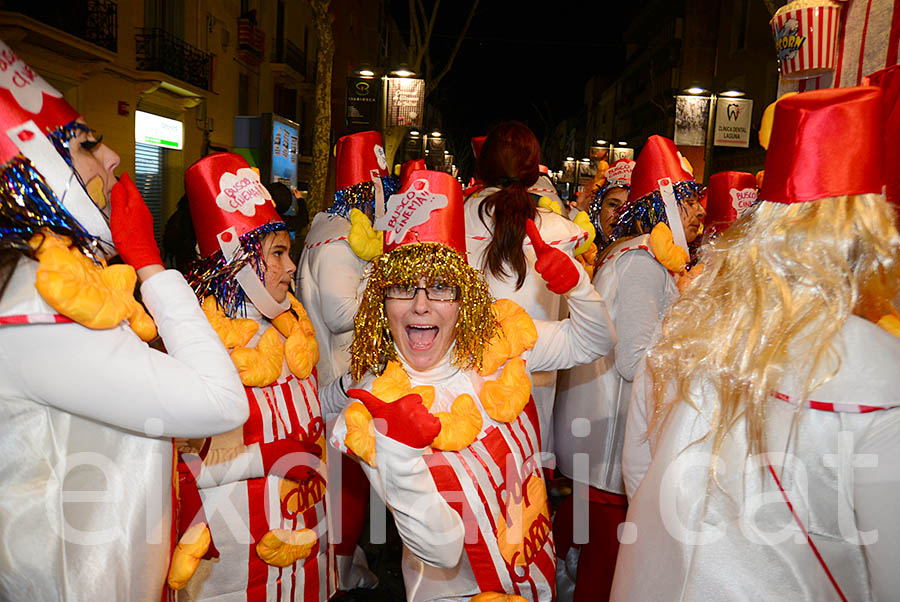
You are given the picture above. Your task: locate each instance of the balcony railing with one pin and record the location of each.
(291, 55)
(95, 21)
(159, 50)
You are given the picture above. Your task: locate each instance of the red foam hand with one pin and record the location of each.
(406, 420)
(291, 459)
(131, 225)
(555, 267)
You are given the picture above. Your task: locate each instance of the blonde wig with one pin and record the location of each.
(373, 344)
(783, 277)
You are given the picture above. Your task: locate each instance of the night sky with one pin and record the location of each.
(518, 64)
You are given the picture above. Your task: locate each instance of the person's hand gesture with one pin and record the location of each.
(406, 420)
(555, 267)
(131, 225)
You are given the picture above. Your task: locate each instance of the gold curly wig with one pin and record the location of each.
(373, 345)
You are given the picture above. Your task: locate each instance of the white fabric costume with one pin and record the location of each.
(242, 502)
(86, 469)
(328, 278)
(735, 538)
(452, 557)
(534, 296)
(638, 290)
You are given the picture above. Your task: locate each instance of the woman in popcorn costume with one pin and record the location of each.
(446, 427)
(87, 407)
(774, 388)
(508, 166)
(637, 277)
(339, 246)
(262, 486)
(610, 194)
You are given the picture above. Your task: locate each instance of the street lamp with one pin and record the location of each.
(711, 121)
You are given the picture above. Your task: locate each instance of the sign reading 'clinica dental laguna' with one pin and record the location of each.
(733, 122)
(158, 131)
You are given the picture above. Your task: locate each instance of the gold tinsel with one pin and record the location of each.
(373, 345)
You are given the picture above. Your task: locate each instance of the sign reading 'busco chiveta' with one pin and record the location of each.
(158, 131)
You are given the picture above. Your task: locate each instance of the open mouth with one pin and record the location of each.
(420, 336)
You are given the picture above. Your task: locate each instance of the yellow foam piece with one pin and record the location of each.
(260, 366)
(460, 426)
(360, 438)
(505, 398)
(670, 255)
(517, 334)
(583, 221)
(186, 557)
(284, 547)
(524, 526)
(234, 332)
(549, 204)
(366, 241)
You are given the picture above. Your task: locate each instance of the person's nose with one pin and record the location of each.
(421, 304)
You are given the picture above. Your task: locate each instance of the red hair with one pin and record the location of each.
(509, 160)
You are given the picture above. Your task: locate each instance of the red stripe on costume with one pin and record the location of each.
(35, 319)
(827, 406)
(257, 570)
(862, 44)
(311, 563)
(894, 38)
(253, 429)
(290, 402)
(446, 480)
(625, 250)
(819, 49)
(276, 415)
(325, 242)
(842, 26)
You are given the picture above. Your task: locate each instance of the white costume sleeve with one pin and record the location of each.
(636, 454)
(333, 397)
(337, 272)
(640, 303)
(429, 527)
(111, 376)
(876, 490)
(579, 339)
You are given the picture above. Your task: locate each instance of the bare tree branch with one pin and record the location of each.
(423, 51)
(415, 39)
(433, 82)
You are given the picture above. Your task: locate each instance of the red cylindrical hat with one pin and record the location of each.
(825, 143)
(360, 157)
(25, 96)
(889, 82)
(428, 208)
(477, 143)
(409, 167)
(223, 192)
(728, 196)
(658, 159)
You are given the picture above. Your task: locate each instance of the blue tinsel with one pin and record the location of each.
(361, 196)
(27, 204)
(212, 276)
(639, 216)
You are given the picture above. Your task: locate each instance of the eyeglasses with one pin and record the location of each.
(434, 292)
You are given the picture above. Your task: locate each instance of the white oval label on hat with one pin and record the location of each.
(241, 192)
(26, 86)
(380, 156)
(409, 209)
(619, 174)
(742, 199)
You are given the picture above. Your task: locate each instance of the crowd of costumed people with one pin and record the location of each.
(664, 391)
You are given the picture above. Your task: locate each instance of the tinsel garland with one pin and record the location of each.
(373, 345)
(27, 204)
(60, 138)
(639, 216)
(212, 276)
(361, 196)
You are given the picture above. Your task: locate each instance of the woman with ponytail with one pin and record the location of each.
(508, 165)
